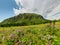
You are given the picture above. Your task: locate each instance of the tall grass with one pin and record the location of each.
(41, 34)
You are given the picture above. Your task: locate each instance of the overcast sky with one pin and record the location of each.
(49, 9)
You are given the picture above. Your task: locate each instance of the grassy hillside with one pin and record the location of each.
(39, 31)
(24, 19)
(41, 34)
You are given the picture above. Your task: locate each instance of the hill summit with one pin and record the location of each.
(24, 19)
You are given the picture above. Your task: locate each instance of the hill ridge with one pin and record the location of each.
(24, 19)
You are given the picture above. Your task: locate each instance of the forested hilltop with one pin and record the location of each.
(24, 19)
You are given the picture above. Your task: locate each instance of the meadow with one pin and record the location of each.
(42, 34)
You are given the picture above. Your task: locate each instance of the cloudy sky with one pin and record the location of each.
(49, 9)
(6, 9)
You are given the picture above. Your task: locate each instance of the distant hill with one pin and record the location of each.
(24, 19)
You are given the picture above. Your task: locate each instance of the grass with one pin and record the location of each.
(41, 34)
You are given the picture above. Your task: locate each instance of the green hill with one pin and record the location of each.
(24, 19)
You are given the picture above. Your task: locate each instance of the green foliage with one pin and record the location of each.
(24, 19)
(9, 42)
(0, 38)
(57, 41)
(30, 36)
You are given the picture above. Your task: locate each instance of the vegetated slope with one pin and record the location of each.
(24, 19)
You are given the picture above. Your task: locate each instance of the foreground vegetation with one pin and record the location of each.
(42, 34)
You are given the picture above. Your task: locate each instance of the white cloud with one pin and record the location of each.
(55, 14)
(43, 7)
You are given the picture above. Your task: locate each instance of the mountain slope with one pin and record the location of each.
(24, 19)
